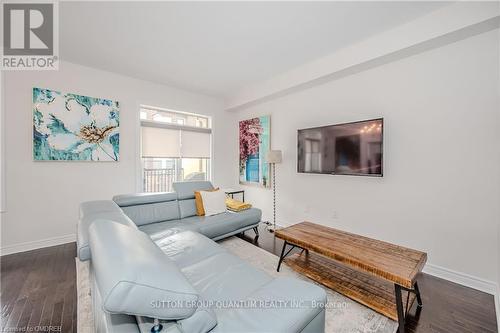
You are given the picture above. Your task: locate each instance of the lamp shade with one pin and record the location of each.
(274, 156)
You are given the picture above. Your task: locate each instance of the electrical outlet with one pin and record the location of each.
(335, 215)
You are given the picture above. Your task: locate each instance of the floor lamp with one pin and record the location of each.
(274, 157)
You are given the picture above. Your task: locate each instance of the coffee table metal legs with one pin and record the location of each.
(283, 254)
(399, 307)
(402, 312)
(417, 292)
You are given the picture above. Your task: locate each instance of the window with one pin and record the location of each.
(175, 147)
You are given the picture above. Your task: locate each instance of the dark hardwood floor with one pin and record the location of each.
(38, 289)
(448, 307)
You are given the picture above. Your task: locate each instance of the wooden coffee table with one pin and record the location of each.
(377, 274)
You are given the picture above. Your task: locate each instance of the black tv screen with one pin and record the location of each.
(344, 149)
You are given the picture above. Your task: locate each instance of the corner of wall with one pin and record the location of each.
(2, 143)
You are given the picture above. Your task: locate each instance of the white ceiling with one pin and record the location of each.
(217, 48)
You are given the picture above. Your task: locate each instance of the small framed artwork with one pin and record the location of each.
(255, 141)
(70, 127)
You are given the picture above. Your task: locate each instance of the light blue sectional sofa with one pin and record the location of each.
(151, 258)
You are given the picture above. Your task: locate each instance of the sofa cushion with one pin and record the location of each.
(210, 226)
(215, 273)
(224, 277)
(134, 275)
(124, 200)
(160, 230)
(185, 190)
(300, 303)
(187, 208)
(91, 211)
(153, 212)
(187, 248)
(225, 223)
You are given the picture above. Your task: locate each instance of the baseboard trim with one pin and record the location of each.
(38, 244)
(497, 307)
(463, 279)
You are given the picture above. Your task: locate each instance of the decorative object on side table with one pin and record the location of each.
(274, 157)
(254, 140)
(70, 127)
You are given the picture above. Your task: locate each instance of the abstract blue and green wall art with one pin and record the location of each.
(69, 127)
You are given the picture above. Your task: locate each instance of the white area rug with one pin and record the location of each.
(342, 316)
(85, 319)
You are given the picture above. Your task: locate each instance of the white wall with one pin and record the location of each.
(440, 192)
(42, 197)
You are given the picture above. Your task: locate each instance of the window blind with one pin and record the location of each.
(170, 141)
(195, 144)
(160, 142)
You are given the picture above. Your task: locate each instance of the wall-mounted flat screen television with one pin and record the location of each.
(344, 149)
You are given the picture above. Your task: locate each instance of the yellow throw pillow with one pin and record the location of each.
(200, 211)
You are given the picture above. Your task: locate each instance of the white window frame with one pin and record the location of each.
(138, 151)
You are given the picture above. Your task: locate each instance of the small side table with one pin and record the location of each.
(231, 192)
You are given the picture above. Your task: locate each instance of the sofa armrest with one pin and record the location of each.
(91, 211)
(135, 277)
